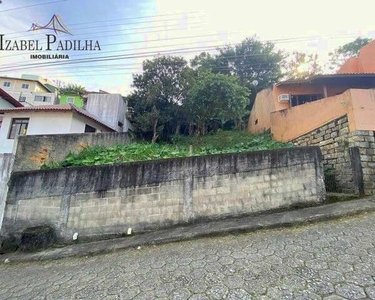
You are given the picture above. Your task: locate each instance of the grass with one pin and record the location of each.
(221, 142)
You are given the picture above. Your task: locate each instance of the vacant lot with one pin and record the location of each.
(221, 142)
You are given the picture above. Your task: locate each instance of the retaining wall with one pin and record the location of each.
(6, 164)
(337, 144)
(106, 200)
(32, 151)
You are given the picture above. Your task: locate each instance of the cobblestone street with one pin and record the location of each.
(331, 260)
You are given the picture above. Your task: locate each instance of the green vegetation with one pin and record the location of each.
(221, 142)
(72, 89)
(349, 50)
(173, 96)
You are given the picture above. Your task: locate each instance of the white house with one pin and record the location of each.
(7, 101)
(28, 91)
(52, 119)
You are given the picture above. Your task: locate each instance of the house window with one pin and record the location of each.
(70, 100)
(88, 128)
(19, 127)
(22, 98)
(25, 86)
(302, 99)
(6, 84)
(42, 99)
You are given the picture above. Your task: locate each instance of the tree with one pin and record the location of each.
(349, 50)
(72, 89)
(215, 96)
(159, 93)
(302, 66)
(255, 64)
(206, 62)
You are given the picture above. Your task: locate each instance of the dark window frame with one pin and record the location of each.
(301, 99)
(16, 130)
(44, 99)
(89, 129)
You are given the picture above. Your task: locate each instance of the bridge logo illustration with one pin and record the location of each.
(56, 24)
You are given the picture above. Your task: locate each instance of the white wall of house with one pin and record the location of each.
(45, 123)
(5, 104)
(31, 98)
(79, 123)
(110, 108)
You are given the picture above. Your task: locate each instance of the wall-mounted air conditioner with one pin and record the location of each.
(284, 98)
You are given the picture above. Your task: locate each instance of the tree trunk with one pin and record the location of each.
(201, 126)
(178, 129)
(155, 135)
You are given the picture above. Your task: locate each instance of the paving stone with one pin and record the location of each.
(370, 291)
(311, 262)
(350, 291)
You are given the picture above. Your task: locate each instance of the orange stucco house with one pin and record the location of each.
(335, 112)
(364, 63)
(293, 108)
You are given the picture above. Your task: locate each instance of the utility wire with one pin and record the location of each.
(139, 42)
(32, 5)
(132, 71)
(71, 25)
(85, 33)
(117, 35)
(101, 58)
(121, 56)
(251, 67)
(135, 71)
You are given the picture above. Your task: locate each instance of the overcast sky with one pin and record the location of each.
(136, 27)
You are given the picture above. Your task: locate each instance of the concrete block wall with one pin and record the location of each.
(107, 200)
(32, 151)
(6, 165)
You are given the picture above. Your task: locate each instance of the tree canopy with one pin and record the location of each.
(159, 93)
(72, 89)
(255, 64)
(349, 50)
(302, 66)
(215, 96)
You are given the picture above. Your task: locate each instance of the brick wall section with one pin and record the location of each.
(335, 141)
(32, 151)
(106, 200)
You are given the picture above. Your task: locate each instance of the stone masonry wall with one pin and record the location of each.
(106, 200)
(333, 140)
(336, 143)
(32, 151)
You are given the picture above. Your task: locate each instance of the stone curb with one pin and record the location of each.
(222, 227)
